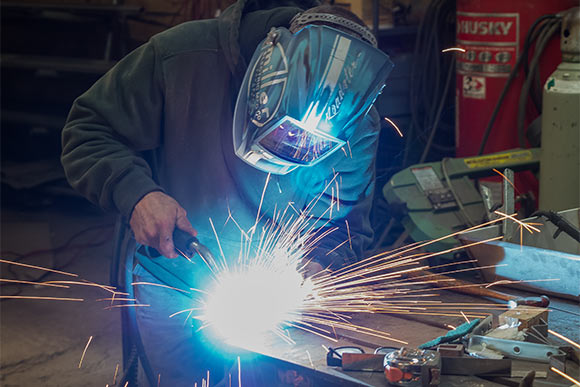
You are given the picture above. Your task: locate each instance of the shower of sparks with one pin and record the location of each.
(160, 285)
(33, 283)
(116, 299)
(528, 226)
(453, 49)
(41, 298)
(115, 375)
(564, 338)
(80, 283)
(239, 372)
(506, 179)
(394, 126)
(85, 351)
(565, 376)
(38, 268)
(265, 290)
(310, 359)
(126, 305)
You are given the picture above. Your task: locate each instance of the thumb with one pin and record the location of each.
(166, 246)
(183, 223)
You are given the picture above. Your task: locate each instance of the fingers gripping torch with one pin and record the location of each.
(187, 246)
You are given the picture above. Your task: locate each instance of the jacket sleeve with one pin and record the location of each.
(346, 202)
(109, 127)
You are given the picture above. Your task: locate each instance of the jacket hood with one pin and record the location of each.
(229, 27)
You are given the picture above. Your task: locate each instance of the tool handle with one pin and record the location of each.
(540, 302)
(184, 242)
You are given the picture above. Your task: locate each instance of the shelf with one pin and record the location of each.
(123, 10)
(87, 66)
(397, 31)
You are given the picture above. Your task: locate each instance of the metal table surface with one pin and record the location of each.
(308, 356)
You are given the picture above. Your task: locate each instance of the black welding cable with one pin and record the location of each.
(541, 44)
(466, 216)
(430, 93)
(132, 330)
(427, 148)
(529, 40)
(536, 94)
(436, 98)
(532, 75)
(522, 58)
(427, 82)
(418, 72)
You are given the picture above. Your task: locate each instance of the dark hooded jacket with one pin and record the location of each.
(161, 119)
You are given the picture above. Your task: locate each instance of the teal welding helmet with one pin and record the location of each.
(303, 95)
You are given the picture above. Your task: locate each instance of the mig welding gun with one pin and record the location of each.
(187, 246)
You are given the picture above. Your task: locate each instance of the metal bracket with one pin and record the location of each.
(509, 206)
(515, 349)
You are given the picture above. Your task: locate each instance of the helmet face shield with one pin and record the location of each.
(288, 140)
(303, 95)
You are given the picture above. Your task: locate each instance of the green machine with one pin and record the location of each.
(436, 199)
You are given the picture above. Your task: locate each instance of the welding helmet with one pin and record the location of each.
(303, 95)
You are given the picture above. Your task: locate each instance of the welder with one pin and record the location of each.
(152, 139)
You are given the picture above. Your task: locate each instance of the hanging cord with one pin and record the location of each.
(427, 88)
(543, 39)
(121, 277)
(450, 74)
(531, 36)
(463, 212)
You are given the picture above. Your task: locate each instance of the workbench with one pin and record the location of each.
(304, 363)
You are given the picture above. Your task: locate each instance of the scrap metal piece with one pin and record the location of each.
(528, 380)
(508, 204)
(362, 362)
(515, 349)
(453, 365)
(556, 262)
(483, 327)
(527, 316)
(450, 350)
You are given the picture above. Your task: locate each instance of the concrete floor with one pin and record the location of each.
(41, 341)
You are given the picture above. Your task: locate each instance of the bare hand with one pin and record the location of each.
(153, 220)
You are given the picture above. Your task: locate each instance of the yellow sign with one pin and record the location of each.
(498, 159)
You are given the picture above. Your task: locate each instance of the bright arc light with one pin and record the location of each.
(253, 300)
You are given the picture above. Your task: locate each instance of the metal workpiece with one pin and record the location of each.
(509, 205)
(514, 349)
(552, 266)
